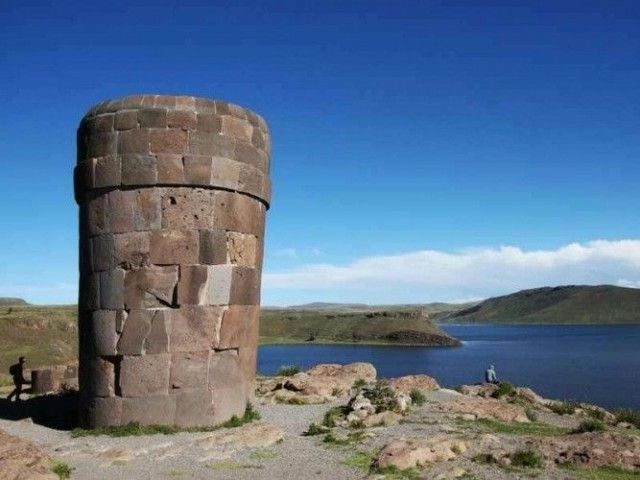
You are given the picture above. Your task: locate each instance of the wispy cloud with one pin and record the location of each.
(286, 253)
(471, 273)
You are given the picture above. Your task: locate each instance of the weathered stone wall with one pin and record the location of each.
(172, 193)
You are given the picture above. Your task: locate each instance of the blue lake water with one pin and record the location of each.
(598, 364)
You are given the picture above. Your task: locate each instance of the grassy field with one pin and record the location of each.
(597, 305)
(48, 335)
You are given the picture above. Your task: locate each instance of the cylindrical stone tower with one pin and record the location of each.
(173, 193)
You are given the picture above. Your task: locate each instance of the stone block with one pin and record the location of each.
(121, 318)
(174, 247)
(103, 332)
(45, 380)
(126, 120)
(209, 122)
(239, 326)
(84, 177)
(89, 294)
(152, 118)
(189, 370)
(242, 249)
(121, 205)
(248, 362)
(187, 208)
(237, 128)
(170, 169)
(102, 412)
(149, 100)
(205, 105)
(144, 376)
(158, 338)
(152, 410)
(204, 143)
(226, 108)
(228, 384)
(193, 285)
(194, 328)
(259, 140)
(225, 172)
(239, 213)
(173, 140)
(101, 144)
(197, 169)
(194, 407)
(147, 214)
(135, 332)
(103, 252)
(247, 153)
(133, 141)
(107, 172)
(99, 123)
(165, 101)
(184, 102)
(220, 283)
(245, 286)
(213, 247)
(97, 220)
(98, 377)
(250, 180)
(112, 289)
(184, 119)
(139, 169)
(150, 287)
(131, 250)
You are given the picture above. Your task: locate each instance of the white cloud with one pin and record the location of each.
(286, 253)
(316, 252)
(472, 273)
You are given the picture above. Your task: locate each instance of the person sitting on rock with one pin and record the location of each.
(490, 375)
(17, 373)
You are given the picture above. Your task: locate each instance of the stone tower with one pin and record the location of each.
(172, 193)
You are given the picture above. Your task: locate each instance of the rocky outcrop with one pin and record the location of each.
(476, 407)
(322, 383)
(404, 454)
(22, 460)
(406, 384)
(593, 450)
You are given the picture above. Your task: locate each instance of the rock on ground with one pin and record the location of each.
(22, 460)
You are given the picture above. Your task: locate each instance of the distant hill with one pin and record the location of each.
(571, 304)
(8, 301)
(388, 327)
(438, 308)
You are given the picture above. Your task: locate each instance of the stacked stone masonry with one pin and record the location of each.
(173, 193)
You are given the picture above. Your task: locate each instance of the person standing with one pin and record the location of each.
(17, 373)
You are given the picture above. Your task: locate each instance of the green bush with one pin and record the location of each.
(288, 370)
(504, 389)
(526, 459)
(359, 384)
(417, 397)
(61, 469)
(595, 412)
(567, 407)
(382, 396)
(331, 415)
(590, 425)
(628, 415)
(315, 429)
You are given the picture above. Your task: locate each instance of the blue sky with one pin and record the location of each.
(422, 150)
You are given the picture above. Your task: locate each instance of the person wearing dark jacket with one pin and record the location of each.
(17, 373)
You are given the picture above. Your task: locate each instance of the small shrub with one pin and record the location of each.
(394, 472)
(590, 425)
(250, 414)
(360, 460)
(359, 384)
(594, 412)
(332, 439)
(61, 469)
(567, 407)
(504, 389)
(288, 371)
(526, 459)
(417, 397)
(382, 396)
(532, 415)
(329, 419)
(485, 458)
(315, 429)
(628, 415)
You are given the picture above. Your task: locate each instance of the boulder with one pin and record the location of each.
(486, 408)
(406, 384)
(251, 435)
(385, 419)
(416, 453)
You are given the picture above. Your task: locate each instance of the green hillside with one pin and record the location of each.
(383, 326)
(8, 301)
(573, 304)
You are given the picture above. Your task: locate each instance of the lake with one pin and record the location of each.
(597, 364)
